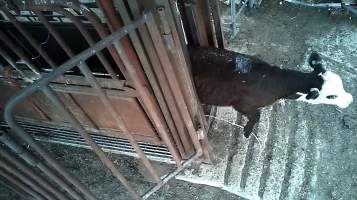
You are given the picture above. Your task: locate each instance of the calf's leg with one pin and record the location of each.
(253, 115)
(253, 118)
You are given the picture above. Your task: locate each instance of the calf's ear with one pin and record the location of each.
(313, 94)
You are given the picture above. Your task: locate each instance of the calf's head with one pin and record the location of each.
(330, 89)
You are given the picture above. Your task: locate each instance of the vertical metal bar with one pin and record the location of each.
(233, 17)
(147, 67)
(21, 185)
(31, 173)
(132, 66)
(168, 69)
(15, 189)
(183, 66)
(97, 150)
(114, 23)
(33, 161)
(215, 10)
(144, 94)
(183, 142)
(16, 173)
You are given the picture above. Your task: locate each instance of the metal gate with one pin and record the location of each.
(129, 89)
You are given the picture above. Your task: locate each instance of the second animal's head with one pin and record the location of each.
(330, 89)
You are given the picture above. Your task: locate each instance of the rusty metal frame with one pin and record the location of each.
(42, 85)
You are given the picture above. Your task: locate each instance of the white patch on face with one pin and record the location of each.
(332, 92)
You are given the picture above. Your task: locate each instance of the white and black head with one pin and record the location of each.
(330, 89)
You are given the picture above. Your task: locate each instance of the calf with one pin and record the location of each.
(226, 78)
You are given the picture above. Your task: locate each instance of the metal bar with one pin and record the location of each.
(44, 80)
(30, 38)
(149, 71)
(38, 47)
(19, 175)
(170, 73)
(33, 161)
(47, 78)
(215, 10)
(8, 59)
(23, 75)
(105, 100)
(132, 69)
(171, 175)
(183, 142)
(101, 30)
(75, 89)
(121, 124)
(18, 51)
(31, 173)
(114, 23)
(183, 67)
(15, 189)
(137, 44)
(21, 185)
(150, 105)
(79, 25)
(97, 150)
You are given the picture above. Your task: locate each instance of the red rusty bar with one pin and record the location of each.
(114, 24)
(149, 71)
(131, 60)
(174, 84)
(183, 141)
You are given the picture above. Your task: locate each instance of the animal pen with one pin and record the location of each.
(116, 72)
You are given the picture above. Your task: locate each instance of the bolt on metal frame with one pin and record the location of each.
(42, 85)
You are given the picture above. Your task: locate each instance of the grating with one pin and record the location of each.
(68, 136)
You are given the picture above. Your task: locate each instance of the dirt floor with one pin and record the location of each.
(280, 34)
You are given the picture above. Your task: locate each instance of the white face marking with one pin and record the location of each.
(332, 92)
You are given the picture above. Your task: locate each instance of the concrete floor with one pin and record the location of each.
(305, 151)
